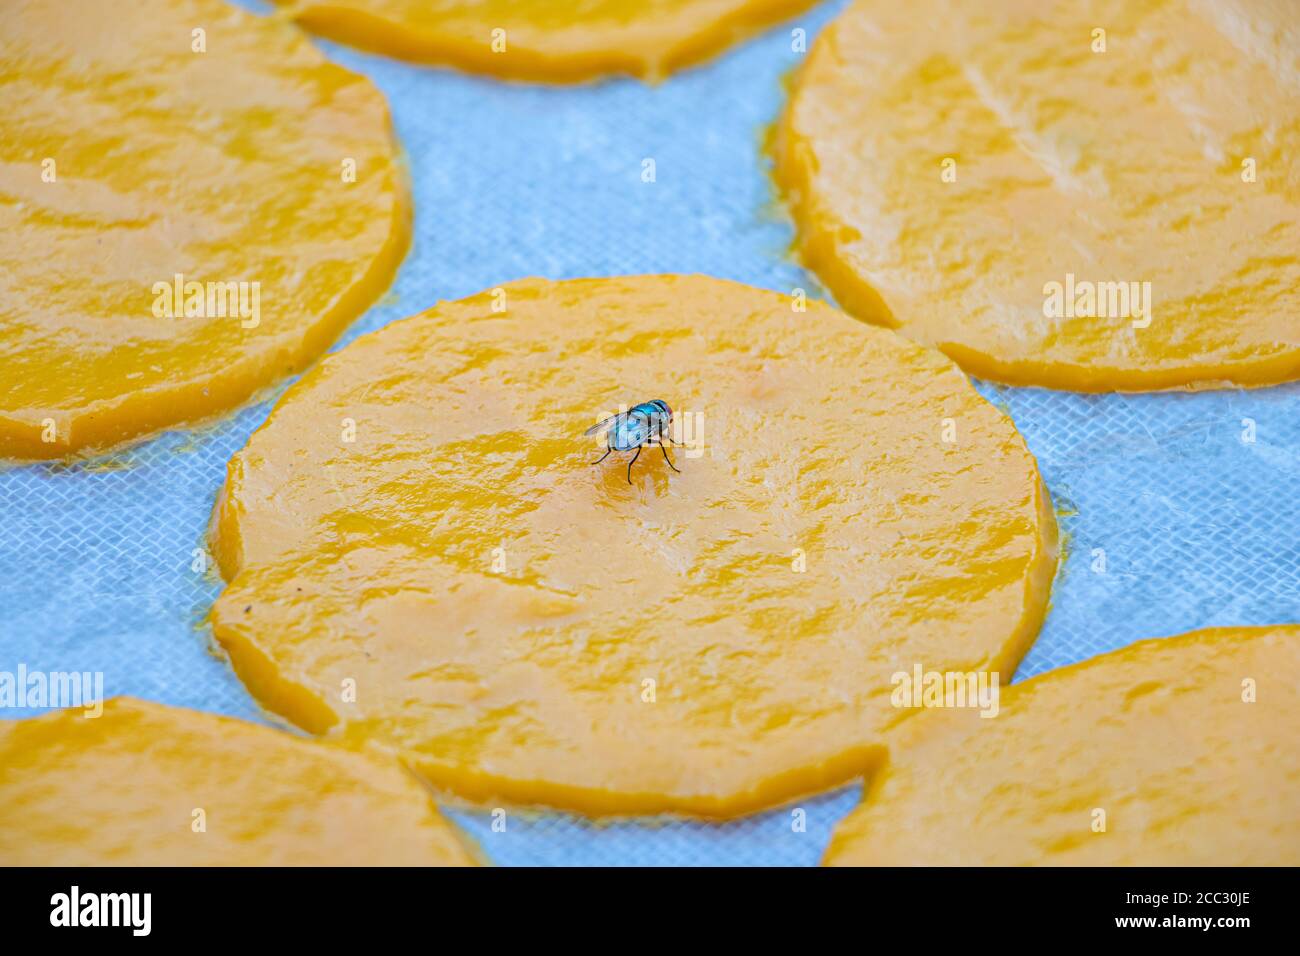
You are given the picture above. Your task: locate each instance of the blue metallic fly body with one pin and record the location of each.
(645, 424)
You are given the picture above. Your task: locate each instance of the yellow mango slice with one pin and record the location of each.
(147, 785)
(544, 40)
(421, 552)
(1170, 752)
(1078, 194)
(152, 146)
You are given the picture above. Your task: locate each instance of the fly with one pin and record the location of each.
(645, 424)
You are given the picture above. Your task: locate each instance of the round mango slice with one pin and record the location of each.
(1075, 194)
(140, 784)
(193, 204)
(421, 551)
(543, 40)
(1172, 752)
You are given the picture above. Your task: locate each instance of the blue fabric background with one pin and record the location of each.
(1199, 527)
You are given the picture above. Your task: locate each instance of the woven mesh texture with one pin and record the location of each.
(1199, 526)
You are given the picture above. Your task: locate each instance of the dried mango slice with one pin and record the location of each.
(1083, 195)
(1170, 752)
(544, 40)
(193, 204)
(146, 785)
(421, 552)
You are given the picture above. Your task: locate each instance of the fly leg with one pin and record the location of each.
(664, 448)
(602, 457)
(633, 462)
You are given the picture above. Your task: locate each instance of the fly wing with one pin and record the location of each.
(630, 431)
(602, 426)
